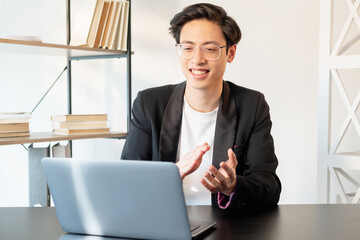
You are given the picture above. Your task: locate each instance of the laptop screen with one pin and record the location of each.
(121, 198)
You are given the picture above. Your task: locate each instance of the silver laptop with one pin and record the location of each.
(120, 198)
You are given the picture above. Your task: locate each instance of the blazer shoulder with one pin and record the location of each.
(153, 101)
(242, 93)
(248, 101)
(161, 93)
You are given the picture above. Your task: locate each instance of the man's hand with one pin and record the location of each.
(192, 160)
(224, 179)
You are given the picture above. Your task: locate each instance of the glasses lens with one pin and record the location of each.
(186, 51)
(209, 52)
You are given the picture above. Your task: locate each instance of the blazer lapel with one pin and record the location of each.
(225, 126)
(171, 125)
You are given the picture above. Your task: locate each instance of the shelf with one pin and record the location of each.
(51, 137)
(357, 153)
(72, 52)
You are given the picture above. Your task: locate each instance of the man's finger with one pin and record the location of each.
(207, 185)
(212, 180)
(232, 158)
(205, 147)
(197, 148)
(217, 174)
(228, 170)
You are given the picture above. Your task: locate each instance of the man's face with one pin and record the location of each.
(200, 72)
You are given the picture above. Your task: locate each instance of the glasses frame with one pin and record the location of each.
(179, 46)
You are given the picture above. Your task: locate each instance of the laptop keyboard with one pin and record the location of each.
(194, 227)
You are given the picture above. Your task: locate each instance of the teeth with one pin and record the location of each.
(198, 72)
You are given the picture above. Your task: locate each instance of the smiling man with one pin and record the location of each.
(216, 132)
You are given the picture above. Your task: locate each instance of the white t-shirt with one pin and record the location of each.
(196, 129)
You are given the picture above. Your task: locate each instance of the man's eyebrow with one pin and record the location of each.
(186, 42)
(211, 42)
(204, 43)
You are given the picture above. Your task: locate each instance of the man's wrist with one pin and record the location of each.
(228, 193)
(224, 201)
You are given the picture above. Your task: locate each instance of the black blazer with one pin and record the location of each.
(243, 124)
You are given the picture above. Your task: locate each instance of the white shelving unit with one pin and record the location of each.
(334, 166)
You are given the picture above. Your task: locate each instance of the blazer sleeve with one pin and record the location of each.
(257, 182)
(138, 145)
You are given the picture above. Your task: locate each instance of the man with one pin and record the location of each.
(217, 133)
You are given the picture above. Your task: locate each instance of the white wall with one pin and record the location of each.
(278, 56)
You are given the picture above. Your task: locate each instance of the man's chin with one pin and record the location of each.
(197, 86)
(197, 83)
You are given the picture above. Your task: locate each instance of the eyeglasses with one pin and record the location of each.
(209, 52)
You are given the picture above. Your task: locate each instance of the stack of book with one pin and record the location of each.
(80, 124)
(14, 124)
(109, 26)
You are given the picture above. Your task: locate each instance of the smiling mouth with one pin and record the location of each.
(198, 72)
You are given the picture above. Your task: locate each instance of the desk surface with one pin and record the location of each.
(283, 222)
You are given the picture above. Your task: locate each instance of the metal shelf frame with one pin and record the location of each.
(126, 55)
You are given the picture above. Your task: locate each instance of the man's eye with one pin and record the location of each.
(186, 48)
(210, 49)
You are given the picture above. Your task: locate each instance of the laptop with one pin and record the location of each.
(120, 198)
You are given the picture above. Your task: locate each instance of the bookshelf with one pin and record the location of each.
(71, 53)
(51, 137)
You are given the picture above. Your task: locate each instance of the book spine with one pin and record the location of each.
(100, 30)
(95, 23)
(14, 127)
(107, 26)
(125, 23)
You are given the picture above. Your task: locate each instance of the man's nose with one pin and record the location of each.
(198, 56)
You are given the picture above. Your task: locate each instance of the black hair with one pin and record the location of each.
(213, 13)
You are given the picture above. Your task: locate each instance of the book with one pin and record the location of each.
(14, 134)
(120, 27)
(14, 127)
(107, 27)
(14, 114)
(79, 125)
(100, 30)
(95, 23)
(14, 117)
(114, 25)
(15, 120)
(66, 131)
(79, 117)
(125, 28)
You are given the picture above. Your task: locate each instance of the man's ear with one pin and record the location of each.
(231, 53)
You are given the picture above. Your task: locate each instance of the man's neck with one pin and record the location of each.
(203, 100)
